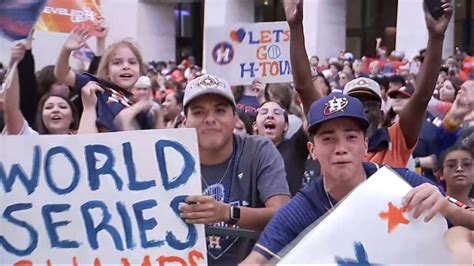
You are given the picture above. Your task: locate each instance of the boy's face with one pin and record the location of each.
(340, 146)
(214, 120)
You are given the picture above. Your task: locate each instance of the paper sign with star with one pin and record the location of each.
(371, 227)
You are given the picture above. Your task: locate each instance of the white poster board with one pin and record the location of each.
(370, 227)
(240, 53)
(99, 199)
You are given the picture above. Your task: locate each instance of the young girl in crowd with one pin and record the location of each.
(172, 108)
(457, 173)
(118, 71)
(448, 91)
(56, 114)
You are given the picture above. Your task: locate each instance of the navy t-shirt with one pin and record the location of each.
(308, 206)
(249, 105)
(109, 103)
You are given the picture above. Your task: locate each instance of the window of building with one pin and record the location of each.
(367, 20)
(189, 30)
(464, 25)
(269, 10)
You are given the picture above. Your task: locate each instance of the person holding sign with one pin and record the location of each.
(401, 136)
(243, 177)
(337, 126)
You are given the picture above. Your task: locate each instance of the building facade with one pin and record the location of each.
(172, 29)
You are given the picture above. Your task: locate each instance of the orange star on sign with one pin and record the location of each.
(394, 216)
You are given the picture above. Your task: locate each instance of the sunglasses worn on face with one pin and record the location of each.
(265, 111)
(453, 165)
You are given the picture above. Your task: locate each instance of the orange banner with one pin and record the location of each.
(63, 16)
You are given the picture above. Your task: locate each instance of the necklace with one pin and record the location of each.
(328, 197)
(222, 177)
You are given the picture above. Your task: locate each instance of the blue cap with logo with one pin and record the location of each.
(336, 105)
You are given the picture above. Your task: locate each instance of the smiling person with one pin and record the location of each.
(243, 178)
(172, 108)
(448, 92)
(337, 126)
(118, 72)
(56, 114)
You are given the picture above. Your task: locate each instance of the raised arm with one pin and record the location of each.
(28, 84)
(101, 35)
(412, 115)
(300, 66)
(76, 40)
(126, 119)
(14, 119)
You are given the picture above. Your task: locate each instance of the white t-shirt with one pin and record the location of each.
(26, 130)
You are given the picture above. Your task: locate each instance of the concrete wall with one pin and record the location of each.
(325, 27)
(224, 12)
(412, 34)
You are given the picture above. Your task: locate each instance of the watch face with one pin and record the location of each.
(236, 213)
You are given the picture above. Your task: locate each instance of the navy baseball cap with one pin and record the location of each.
(336, 105)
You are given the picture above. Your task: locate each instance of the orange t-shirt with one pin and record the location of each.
(397, 154)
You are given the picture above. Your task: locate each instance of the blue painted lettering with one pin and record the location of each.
(51, 227)
(30, 184)
(191, 238)
(92, 231)
(47, 170)
(106, 169)
(186, 172)
(134, 185)
(33, 243)
(146, 224)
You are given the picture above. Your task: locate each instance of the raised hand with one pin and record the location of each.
(17, 52)
(101, 29)
(464, 102)
(125, 120)
(29, 39)
(78, 37)
(438, 27)
(88, 94)
(293, 11)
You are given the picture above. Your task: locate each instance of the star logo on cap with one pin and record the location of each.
(335, 105)
(208, 82)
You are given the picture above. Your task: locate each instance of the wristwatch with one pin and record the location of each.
(417, 162)
(234, 214)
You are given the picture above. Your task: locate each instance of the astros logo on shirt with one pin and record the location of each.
(335, 105)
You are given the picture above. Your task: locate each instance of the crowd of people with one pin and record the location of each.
(274, 157)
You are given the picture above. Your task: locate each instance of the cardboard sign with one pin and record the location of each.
(371, 228)
(240, 53)
(99, 199)
(18, 17)
(63, 16)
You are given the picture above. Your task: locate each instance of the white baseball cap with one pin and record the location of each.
(207, 84)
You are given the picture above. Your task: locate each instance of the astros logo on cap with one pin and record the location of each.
(335, 105)
(208, 82)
